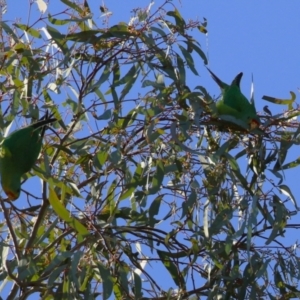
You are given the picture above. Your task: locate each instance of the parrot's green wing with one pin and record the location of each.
(18, 154)
(234, 103)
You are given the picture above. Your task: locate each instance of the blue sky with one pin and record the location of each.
(258, 37)
(255, 37)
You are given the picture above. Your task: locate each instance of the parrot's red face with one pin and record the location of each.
(254, 124)
(12, 196)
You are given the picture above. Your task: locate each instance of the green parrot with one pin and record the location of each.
(18, 154)
(234, 103)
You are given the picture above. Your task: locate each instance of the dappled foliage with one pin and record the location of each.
(140, 179)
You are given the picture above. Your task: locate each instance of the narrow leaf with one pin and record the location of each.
(172, 268)
(63, 213)
(281, 101)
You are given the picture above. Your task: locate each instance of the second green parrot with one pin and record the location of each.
(18, 154)
(234, 103)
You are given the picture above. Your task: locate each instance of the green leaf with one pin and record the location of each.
(111, 195)
(180, 23)
(263, 269)
(31, 31)
(58, 38)
(116, 72)
(107, 280)
(150, 37)
(46, 233)
(280, 215)
(137, 286)
(172, 268)
(225, 148)
(66, 286)
(286, 190)
(238, 175)
(105, 75)
(127, 193)
(118, 292)
(154, 210)
(123, 278)
(9, 31)
(158, 178)
(129, 119)
(199, 51)
(58, 260)
(152, 84)
(189, 59)
(105, 116)
(281, 101)
(187, 207)
(74, 267)
(102, 157)
(280, 284)
(86, 36)
(73, 5)
(63, 213)
(181, 69)
(27, 268)
(219, 221)
(55, 274)
(57, 22)
(293, 164)
(130, 79)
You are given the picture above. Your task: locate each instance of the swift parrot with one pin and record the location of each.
(18, 154)
(234, 103)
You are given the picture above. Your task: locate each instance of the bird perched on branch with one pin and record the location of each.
(18, 154)
(234, 103)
